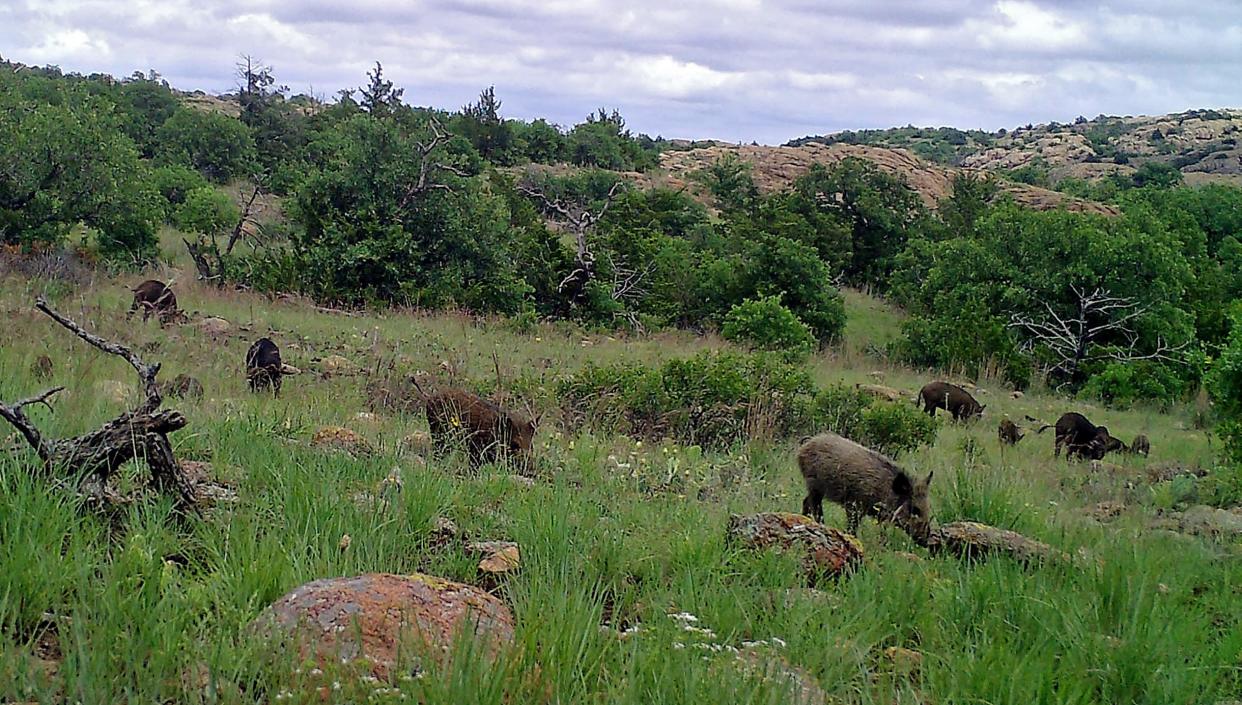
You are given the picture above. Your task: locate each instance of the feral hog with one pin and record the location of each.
(154, 297)
(42, 367)
(1082, 438)
(489, 431)
(184, 386)
(1140, 446)
(1009, 433)
(863, 482)
(263, 366)
(951, 398)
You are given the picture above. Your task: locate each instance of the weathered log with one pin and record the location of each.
(87, 462)
(970, 539)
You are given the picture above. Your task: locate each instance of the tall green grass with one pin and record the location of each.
(616, 536)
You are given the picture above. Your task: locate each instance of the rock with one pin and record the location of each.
(801, 687)
(215, 326)
(522, 480)
(907, 662)
(372, 618)
(879, 391)
(1104, 511)
(287, 369)
(971, 539)
(341, 439)
(504, 559)
(183, 386)
(1163, 472)
(443, 533)
(826, 549)
(1201, 520)
(337, 366)
(112, 390)
(366, 417)
(208, 489)
(876, 375)
(418, 442)
(1015, 394)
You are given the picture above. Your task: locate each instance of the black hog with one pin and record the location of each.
(864, 483)
(1082, 438)
(154, 297)
(1141, 446)
(951, 398)
(489, 431)
(263, 366)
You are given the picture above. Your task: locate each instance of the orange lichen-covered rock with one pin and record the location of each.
(383, 621)
(827, 549)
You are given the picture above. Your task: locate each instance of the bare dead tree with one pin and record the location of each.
(580, 220)
(428, 167)
(206, 253)
(1079, 339)
(90, 460)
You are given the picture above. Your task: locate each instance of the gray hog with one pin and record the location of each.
(863, 482)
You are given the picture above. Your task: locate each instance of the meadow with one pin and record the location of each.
(621, 538)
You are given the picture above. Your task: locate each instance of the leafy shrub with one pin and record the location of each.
(206, 210)
(712, 398)
(765, 323)
(715, 398)
(1122, 384)
(893, 427)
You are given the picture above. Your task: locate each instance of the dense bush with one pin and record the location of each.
(1122, 384)
(218, 146)
(717, 398)
(206, 210)
(764, 323)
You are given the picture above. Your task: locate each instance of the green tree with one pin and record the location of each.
(66, 163)
(490, 134)
(378, 225)
(217, 145)
(731, 182)
(206, 210)
(379, 97)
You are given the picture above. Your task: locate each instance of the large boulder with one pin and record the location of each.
(970, 539)
(371, 620)
(342, 439)
(215, 326)
(825, 549)
(337, 366)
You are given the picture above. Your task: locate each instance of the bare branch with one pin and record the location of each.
(146, 373)
(16, 416)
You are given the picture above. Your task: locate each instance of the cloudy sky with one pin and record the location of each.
(730, 69)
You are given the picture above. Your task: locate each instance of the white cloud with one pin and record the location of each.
(739, 70)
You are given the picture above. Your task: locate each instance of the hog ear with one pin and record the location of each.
(902, 486)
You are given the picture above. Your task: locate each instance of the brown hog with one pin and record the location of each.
(42, 367)
(490, 432)
(864, 483)
(1009, 433)
(951, 398)
(1141, 446)
(154, 297)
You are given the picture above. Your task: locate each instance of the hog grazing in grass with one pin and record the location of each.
(1009, 433)
(1082, 438)
(863, 482)
(1141, 446)
(490, 432)
(951, 398)
(154, 297)
(264, 368)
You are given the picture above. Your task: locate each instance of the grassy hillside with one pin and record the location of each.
(615, 534)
